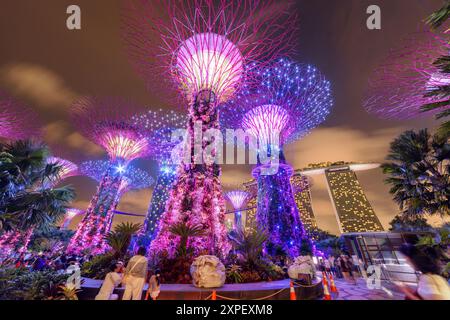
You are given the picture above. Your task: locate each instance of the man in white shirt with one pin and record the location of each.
(112, 280)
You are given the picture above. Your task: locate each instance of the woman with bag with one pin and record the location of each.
(135, 275)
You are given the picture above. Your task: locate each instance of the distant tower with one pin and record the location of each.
(302, 194)
(353, 211)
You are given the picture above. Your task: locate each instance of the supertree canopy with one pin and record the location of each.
(16, 120)
(159, 125)
(237, 199)
(291, 100)
(91, 231)
(107, 122)
(208, 48)
(67, 168)
(397, 88)
(70, 214)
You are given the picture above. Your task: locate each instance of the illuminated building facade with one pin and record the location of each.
(353, 211)
(302, 195)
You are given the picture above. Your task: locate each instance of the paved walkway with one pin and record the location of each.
(348, 291)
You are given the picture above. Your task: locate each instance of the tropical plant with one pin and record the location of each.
(27, 199)
(48, 238)
(120, 238)
(185, 232)
(234, 273)
(249, 243)
(409, 224)
(23, 284)
(98, 266)
(419, 173)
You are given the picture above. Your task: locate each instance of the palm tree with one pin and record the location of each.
(26, 200)
(119, 239)
(419, 173)
(185, 232)
(250, 244)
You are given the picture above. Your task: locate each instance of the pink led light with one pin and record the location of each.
(268, 123)
(108, 121)
(68, 168)
(209, 61)
(124, 145)
(237, 198)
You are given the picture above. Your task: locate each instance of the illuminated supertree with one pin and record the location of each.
(237, 199)
(398, 86)
(17, 122)
(208, 48)
(290, 101)
(159, 126)
(67, 169)
(68, 217)
(108, 122)
(131, 179)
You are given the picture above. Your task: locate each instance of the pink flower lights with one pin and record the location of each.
(397, 87)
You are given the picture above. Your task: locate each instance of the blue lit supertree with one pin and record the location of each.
(159, 126)
(106, 121)
(291, 100)
(237, 199)
(132, 178)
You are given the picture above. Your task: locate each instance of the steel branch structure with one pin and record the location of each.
(208, 49)
(398, 87)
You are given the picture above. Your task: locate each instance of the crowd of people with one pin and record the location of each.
(342, 266)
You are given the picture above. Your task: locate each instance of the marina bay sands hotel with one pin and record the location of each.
(351, 206)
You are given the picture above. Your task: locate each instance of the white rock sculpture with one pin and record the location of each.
(302, 265)
(208, 272)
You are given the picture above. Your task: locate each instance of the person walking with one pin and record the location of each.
(135, 275)
(431, 285)
(154, 286)
(112, 280)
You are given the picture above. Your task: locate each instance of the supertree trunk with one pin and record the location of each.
(196, 197)
(277, 213)
(14, 241)
(98, 217)
(156, 208)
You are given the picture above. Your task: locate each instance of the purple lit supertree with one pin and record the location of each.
(108, 122)
(17, 121)
(208, 48)
(397, 88)
(290, 101)
(237, 199)
(160, 125)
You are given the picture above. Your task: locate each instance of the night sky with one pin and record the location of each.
(48, 66)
